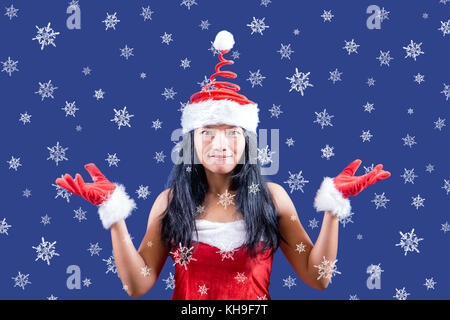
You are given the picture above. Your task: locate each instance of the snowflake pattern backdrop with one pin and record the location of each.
(335, 87)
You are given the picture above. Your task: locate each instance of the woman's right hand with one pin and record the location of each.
(96, 192)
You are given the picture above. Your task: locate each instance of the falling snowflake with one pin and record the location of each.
(170, 281)
(188, 3)
(226, 199)
(368, 107)
(290, 142)
(413, 50)
(46, 90)
(156, 124)
(371, 82)
(286, 51)
(45, 251)
(45, 36)
(62, 192)
(94, 249)
(264, 155)
(169, 93)
(25, 117)
(366, 136)
(275, 111)
(384, 58)
(57, 153)
(204, 25)
(111, 21)
(418, 201)
(147, 13)
(21, 280)
(299, 81)
(439, 123)
(256, 78)
(323, 118)
(86, 71)
(351, 46)
(429, 168)
(14, 163)
(185, 63)
(159, 156)
(98, 94)
(409, 141)
(9, 66)
(380, 200)
(112, 160)
(45, 220)
(327, 15)
(240, 277)
(183, 256)
(445, 27)
(70, 108)
(166, 38)
(429, 283)
(301, 247)
(383, 14)
(409, 241)
(143, 192)
(111, 265)
(446, 91)
(289, 282)
(409, 175)
(227, 251)
(401, 294)
(203, 289)
(313, 223)
(145, 271)
(27, 193)
(346, 219)
(445, 227)
(126, 52)
(87, 282)
(257, 25)
(374, 271)
(253, 188)
(335, 76)
(419, 78)
(327, 269)
(4, 227)
(296, 181)
(446, 186)
(122, 117)
(80, 214)
(327, 152)
(11, 12)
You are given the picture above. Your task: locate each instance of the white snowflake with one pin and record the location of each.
(323, 118)
(275, 111)
(286, 51)
(256, 78)
(374, 271)
(111, 21)
(368, 107)
(94, 249)
(439, 123)
(413, 50)
(45, 251)
(346, 219)
(257, 25)
(46, 90)
(409, 241)
(14, 163)
(9, 66)
(351, 46)
(122, 117)
(27, 193)
(445, 27)
(86, 71)
(204, 25)
(21, 280)
(409, 175)
(203, 289)
(87, 282)
(383, 14)
(446, 186)
(166, 38)
(57, 153)
(126, 52)
(170, 281)
(445, 227)
(327, 152)
(296, 181)
(418, 201)
(169, 93)
(313, 223)
(111, 265)
(299, 81)
(371, 82)
(289, 282)
(143, 192)
(335, 76)
(429, 283)
(147, 13)
(70, 108)
(183, 256)
(384, 58)
(145, 271)
(290, 142)
(112, 160)
(156, 124)
(446, 91)
(253, 188)
(45, 36)
(80, 214)
(188, 3)
(226, 199)
(409, 141)
(327, 269)
(25, 117)
(429, 168)
(62, 192)
(11, 12)
(240, 277)
(366, 136)
(380, 200)
(99, 94)
(401, 294)
(419, 78)
(185, 63)
(301, 247)
(4, 227)
(45, 219)
(159, 156)
(327, 15)
(264, 155)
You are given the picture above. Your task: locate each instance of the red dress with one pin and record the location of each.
(220, 268)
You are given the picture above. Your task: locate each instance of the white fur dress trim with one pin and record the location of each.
(117, 207)
(328, 198)
(226, 236)
(224, 111)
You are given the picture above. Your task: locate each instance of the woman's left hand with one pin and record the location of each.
(350, 185)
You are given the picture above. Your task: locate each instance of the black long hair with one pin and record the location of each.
(188, 190)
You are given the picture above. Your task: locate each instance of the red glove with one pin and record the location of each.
(95, 192)
(113, 202)
(333, 193)
(349, 185)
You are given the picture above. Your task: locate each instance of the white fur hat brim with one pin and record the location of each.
(211, 112)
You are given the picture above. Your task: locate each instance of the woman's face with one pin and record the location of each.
(219, 147)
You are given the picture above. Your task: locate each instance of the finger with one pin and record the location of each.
(94, 172)
(351, 168)
(79, 180)
(63, 184)
(72, 184)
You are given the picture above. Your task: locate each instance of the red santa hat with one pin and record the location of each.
(218, 102)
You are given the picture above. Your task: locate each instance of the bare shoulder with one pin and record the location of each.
(281, 198)
(160, 205)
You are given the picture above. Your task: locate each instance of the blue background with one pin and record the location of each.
(318, 49)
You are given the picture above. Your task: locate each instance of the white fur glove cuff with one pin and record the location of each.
(328, 198)
(116, 208)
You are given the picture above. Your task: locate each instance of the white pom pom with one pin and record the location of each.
(224, 41)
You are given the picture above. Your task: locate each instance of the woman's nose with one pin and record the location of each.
(219, 141)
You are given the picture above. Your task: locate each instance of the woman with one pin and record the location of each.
(218, 219)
